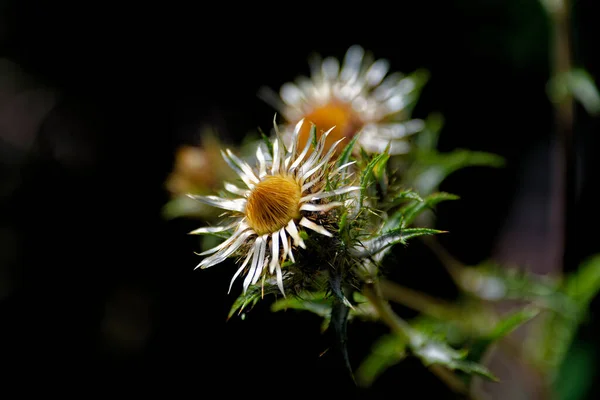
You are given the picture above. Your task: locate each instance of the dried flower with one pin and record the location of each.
(358, 98)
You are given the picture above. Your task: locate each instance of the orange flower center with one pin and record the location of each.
(273, 203)
(340, 115)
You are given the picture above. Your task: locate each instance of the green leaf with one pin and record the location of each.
(579, 84)
(318, 303)
(345, 155)
(502, 328)
(267, 142)
(386, 352)
(395, 236)
(412, 211)
(409, 233)
(367, 174)
(251, 297)
(407, 214)
(436, 352)
(576, 374)
(584, 284)
(511, 322)
(406, 195)
(313, 135)
(380, 175)
(560, 328)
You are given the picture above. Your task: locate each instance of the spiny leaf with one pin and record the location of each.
(345, 155)
(406, 195)
(250, 297)
(267, 142)
(409, 233)
(386, 352)
(318, 303)
(367, 174)
(412, 211)
(392, 237)
(433, 352)
(313, 135)
(407, 214)
(380, 174)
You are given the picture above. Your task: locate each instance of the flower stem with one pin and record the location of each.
(417, 300)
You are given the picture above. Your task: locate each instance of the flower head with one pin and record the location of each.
(358, 98)
(286, 193)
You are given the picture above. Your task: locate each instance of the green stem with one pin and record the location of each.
(418, 301)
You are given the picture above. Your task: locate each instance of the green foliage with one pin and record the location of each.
(501, 329)
(386, 352)
(318, 303)
(432, 351)
(559, 329)
(407, 214)
(250, 298)
(368, 176)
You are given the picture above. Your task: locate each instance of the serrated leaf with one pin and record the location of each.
(386, 352)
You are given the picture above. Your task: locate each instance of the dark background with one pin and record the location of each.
(100, 290)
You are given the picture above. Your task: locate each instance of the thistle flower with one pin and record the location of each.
(358, 98)
(197, 169)
(284, 194)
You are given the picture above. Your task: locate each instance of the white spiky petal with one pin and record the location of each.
(265, 253)
(375, 97)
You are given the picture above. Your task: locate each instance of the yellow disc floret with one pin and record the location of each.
(273, 203)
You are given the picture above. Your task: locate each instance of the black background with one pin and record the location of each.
(135, 81)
